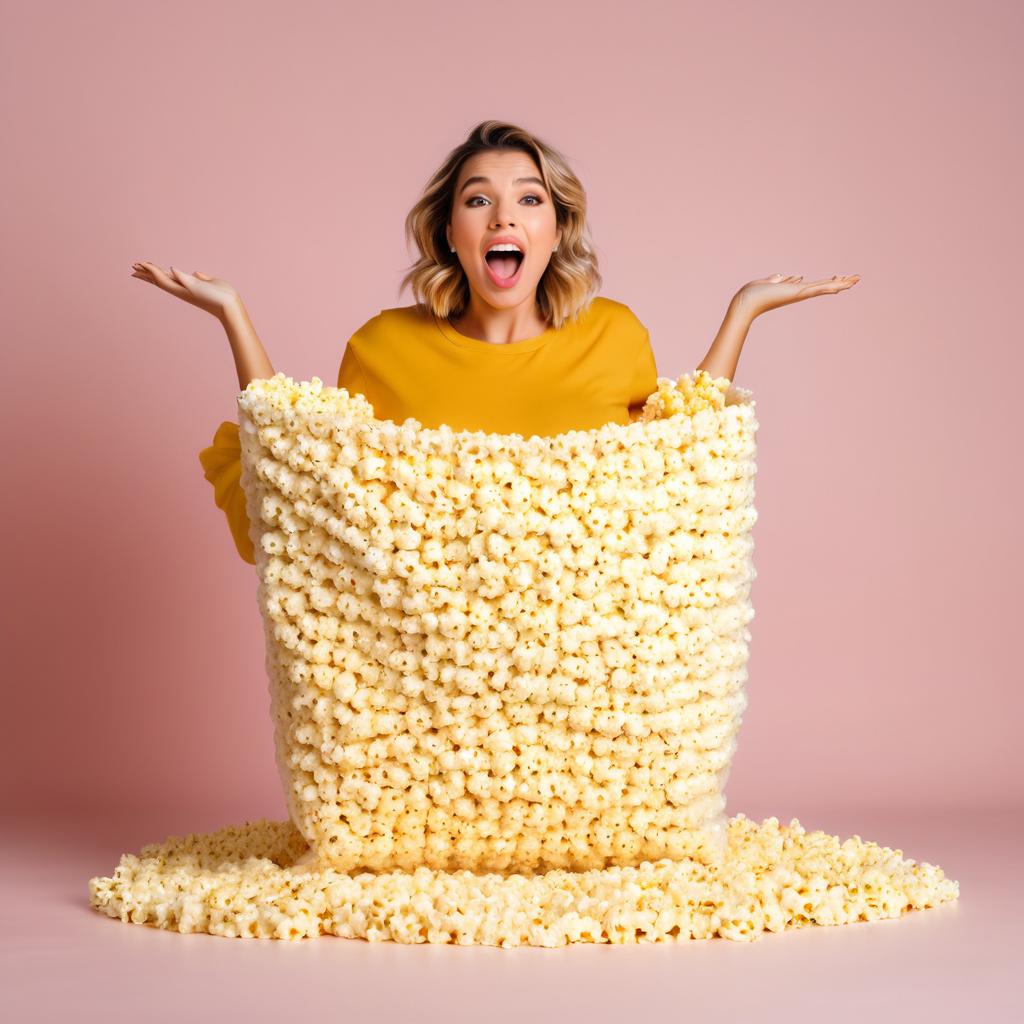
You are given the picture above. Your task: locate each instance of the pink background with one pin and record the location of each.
(282, 146)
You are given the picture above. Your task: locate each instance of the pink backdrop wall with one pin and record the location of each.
(281, 148)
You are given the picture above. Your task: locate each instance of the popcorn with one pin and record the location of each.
(247, 882)
(506, 680)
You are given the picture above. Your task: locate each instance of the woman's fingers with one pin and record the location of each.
(168, 282)
(833, 284)
(142, 272)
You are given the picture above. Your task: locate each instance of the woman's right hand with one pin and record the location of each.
(213, 294)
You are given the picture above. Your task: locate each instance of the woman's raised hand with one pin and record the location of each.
(213, 294)
(766, 293)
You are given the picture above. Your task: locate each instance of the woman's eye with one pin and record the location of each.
(472, 201)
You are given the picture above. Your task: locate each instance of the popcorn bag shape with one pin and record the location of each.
(506, 678)
(503, 654)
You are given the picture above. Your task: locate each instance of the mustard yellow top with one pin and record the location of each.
(409, 363)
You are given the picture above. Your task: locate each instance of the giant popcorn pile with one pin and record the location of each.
(506, 679)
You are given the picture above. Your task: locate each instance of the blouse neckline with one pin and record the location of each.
(478, 344)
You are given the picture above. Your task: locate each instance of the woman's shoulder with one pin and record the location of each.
(614, 322)
(396, 321)
(613, 310)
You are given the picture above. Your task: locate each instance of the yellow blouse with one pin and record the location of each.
(409, 363)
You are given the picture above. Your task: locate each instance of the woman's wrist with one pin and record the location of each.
(742, 306)
(233, 311)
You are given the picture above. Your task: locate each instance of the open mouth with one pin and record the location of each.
(504, 267)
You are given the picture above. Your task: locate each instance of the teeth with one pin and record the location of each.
(505, 247)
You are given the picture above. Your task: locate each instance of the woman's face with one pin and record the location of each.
(512, 201)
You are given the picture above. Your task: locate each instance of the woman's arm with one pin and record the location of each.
(753, 299)
(251, 360)
(221, 461)
(725, 350)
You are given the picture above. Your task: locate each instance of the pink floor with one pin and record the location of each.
(62, 960)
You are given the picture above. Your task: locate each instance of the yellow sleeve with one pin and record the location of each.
(645, 378)
(222, 466)
(350, 373)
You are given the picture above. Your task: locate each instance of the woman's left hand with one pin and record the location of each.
(757, 297)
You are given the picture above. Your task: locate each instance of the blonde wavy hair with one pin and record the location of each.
(437, 279)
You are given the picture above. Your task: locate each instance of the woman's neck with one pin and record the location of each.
(500, 326)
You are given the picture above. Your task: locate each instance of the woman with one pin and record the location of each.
(507, 334)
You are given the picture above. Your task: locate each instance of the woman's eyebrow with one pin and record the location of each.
(480, 178)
